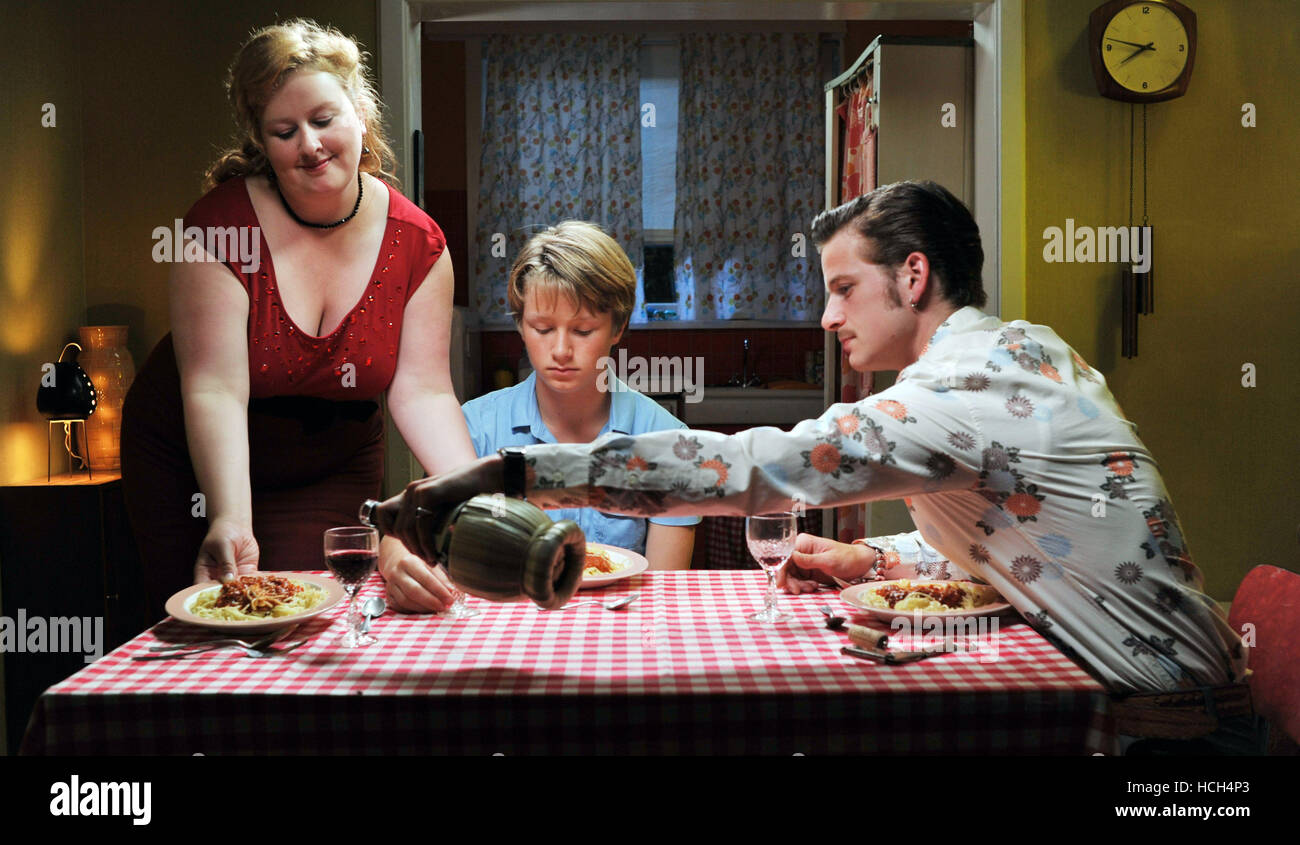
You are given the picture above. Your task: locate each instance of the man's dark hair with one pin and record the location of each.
(908, 217)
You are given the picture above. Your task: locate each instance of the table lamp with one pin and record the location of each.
(66, 396)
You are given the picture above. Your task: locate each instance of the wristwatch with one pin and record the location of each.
(515, 470)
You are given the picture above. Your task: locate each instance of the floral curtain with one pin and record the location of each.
(857, 177)
(561, 141)
(750, 177)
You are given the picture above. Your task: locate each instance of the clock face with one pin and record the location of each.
(1144, 47)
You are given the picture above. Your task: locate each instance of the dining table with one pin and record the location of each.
(680, 670)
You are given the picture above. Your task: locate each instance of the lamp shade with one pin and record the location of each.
(66, 392)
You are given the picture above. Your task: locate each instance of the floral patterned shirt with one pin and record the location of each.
(1018, 466)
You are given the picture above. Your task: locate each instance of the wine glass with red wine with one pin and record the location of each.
(770, 538)
(352, 554)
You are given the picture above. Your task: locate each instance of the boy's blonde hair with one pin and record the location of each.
(578, 260)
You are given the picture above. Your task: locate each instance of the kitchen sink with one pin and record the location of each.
(753, 406)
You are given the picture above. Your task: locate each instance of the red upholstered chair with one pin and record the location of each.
(1269, 600)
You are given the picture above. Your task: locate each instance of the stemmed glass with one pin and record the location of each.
(770, 538)
(458, 608)
(352, 554)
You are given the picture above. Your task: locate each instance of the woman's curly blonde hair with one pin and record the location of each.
(262, 65)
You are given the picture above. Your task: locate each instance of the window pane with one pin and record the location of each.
(659, 273)
(660, 72)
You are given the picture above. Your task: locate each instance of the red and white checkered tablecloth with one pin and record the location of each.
(681, 671)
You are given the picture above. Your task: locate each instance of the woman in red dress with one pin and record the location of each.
(255, 425)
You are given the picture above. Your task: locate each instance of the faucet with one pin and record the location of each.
(744, 379)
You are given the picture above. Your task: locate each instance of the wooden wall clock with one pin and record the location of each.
(1142, 51)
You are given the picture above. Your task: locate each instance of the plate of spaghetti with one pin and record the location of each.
(256, 603)
(904, 597)
(606, 564)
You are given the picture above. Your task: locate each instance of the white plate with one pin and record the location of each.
(853, 597)
(634, 563)
(178, 606)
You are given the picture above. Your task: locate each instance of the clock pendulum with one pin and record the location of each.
(1138, 285)
(1142, 51)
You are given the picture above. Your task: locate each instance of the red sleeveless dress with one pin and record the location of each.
(314, 425)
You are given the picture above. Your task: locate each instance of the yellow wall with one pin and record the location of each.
(40, 220)
(1224, 203)
(1013, 138)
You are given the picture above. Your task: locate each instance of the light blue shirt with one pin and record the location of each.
(510, 417)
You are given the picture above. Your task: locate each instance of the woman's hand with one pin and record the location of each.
(817, 561)
(228, 551)
(413, 586)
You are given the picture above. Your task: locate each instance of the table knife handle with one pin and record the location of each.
(864, 654)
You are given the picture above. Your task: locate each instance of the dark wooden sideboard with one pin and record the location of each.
(66, 550)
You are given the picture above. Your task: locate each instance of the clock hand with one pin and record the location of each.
(1129, 43)
(1139, 51)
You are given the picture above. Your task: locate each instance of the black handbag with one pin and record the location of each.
(66, 393)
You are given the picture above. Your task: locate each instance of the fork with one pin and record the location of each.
(265, 651)
(225, 642)
(273, 652)
(258, 648)
(612, 604)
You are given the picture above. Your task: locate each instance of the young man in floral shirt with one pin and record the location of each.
(1015, 459)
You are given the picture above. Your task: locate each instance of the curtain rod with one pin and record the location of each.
(662, 39)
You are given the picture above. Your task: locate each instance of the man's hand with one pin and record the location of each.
(817, 561)
(229, 550)
(413, 586)
(426, 501)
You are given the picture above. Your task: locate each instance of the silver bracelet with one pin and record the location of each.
(880, 558)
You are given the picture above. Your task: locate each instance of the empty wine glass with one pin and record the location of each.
(770, 538)
(458, 608)
(352, 554)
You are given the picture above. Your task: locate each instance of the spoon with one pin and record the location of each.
(857, 633)
(613, 604)
(374, 606)
(834, 622)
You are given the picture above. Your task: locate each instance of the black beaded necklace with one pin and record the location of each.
(297, 219)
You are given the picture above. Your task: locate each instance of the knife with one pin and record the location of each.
(888, 657)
